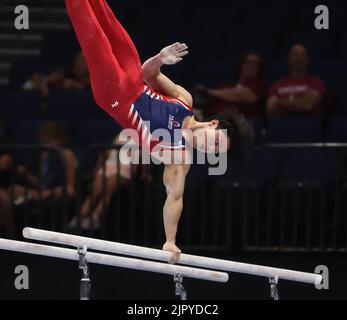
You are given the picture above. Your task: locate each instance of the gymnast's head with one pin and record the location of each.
(225, 133)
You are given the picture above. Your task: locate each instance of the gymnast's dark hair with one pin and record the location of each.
(240, 132)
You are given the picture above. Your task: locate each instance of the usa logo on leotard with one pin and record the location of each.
(172, 123)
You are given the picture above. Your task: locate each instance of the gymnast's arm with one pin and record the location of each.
(174, 181)
(159, 82)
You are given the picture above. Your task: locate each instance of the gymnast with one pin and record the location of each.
(142, 98)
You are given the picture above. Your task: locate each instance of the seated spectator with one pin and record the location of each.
(6, 213)
(5, 157)
(74, 78)
(77, 78)
(300, 94)
(6, 216)
(55, 169)
(248, 93)
(98, 202)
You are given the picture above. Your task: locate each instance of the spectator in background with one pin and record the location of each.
(78, 77)
(6, 215)
(106, 171)
(74, 78)
(248, 94)
(55, 169)
(300, 94)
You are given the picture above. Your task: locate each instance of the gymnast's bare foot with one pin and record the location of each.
(176, 252)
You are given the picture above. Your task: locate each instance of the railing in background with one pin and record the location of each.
(132, 213)
(38, 195)
(300, 197)
(135, 212)
(274, 203)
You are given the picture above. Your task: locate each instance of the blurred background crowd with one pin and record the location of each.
(264, 58)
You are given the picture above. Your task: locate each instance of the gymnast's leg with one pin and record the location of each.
(122, 46)
(113, 87)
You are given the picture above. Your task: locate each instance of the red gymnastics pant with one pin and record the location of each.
(113, 61)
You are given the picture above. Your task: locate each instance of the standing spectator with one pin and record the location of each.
(6, 213)
(300, 94)
(55, 169)
(247, 94)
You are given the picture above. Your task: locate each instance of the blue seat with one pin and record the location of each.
(338, 16)
(26, 131)
(22, 70)
(19, 104)
(261, 166)
(178, 74)
(307, 165)
(217, 20)
(287, 165)
(342, 101)
(237, 43)
(343, 45)
(59, 48)
(155, 17)
(72, 105)
(337, 130)
(90, 131)
(202, 46)
(321, 45)
(148, 44)
(292, 130)
(332, 72)
(214, 73)
(258, 16)
(258, 126)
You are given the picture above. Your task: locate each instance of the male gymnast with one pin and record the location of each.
(142, 98)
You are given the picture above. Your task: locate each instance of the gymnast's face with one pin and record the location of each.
(211, 139)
